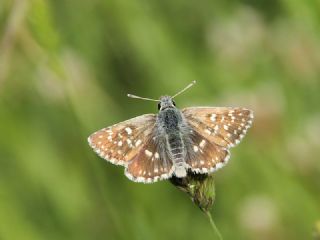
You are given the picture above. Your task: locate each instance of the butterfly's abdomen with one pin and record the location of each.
(176, 147)
(177, 153)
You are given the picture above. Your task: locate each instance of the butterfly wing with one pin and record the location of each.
(149, 165)
(120, 143)
(205, 156)
(224, 126)
(215, 130)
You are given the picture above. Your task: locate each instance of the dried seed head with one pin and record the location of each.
(200, 188)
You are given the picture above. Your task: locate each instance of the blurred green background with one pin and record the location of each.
(65, 70)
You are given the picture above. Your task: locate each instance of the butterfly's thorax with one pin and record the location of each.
(171, 126)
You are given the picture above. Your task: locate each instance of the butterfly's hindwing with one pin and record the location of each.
(205, 156)
(223, 126)
(121, 142)
(149, 165)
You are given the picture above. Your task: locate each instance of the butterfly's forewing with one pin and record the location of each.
(220, 125)
(121, 142)
(149, 165)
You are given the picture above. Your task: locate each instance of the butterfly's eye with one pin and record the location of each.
(174, 103)
(159, 106)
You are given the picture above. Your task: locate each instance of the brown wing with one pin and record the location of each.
(121, 142)
(205, 156)
(148, 165)
(220, 125)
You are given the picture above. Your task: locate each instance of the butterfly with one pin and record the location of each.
(155, 147)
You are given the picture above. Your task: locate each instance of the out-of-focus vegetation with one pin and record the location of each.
(65, 70)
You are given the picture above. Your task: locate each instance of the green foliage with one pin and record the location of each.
(65, 70)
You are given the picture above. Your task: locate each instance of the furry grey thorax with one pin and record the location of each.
(172, 133)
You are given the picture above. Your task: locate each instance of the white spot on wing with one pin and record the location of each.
(195, 148)
(219, 165)
(128, 130)
(213, 117)
(202, 143)
(148, 153)
(207, 131)
(138, 142)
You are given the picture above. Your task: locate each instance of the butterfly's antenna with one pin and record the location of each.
(148, 99)
(189, 86)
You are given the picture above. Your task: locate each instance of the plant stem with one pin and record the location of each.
(213, 225)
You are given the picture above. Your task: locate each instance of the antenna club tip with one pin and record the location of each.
(194, 81)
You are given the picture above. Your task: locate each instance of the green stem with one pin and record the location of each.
(213, 225)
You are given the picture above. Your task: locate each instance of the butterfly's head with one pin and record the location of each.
(166, 102)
